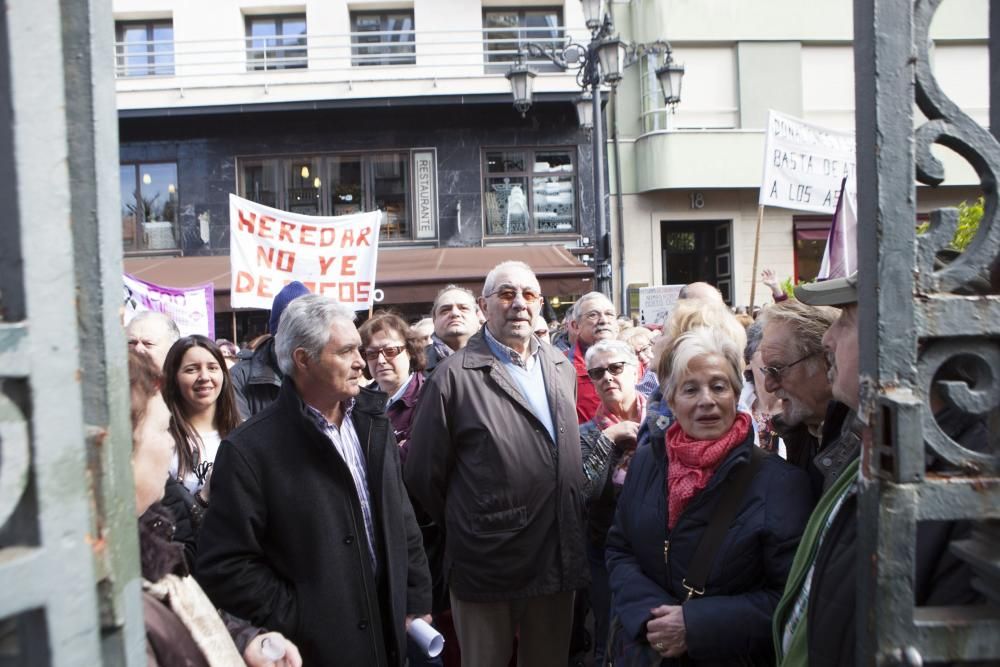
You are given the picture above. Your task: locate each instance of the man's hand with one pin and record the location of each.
(665, 632)
(426, 618)
(255, 654)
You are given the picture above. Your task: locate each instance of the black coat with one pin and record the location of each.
(940, 578)
(733, 619)
(283, 543)
(256, 380)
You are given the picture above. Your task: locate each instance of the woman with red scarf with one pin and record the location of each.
(673, 486)
(608, 442)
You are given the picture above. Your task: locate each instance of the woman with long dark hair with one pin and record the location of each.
(199, 394)
(182, 625)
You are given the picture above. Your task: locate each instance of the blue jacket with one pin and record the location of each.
(733, 619)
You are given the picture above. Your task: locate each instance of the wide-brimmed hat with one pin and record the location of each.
(835, 292)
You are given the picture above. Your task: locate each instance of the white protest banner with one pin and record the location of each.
(191, 308)
(655, 303)
(804, 165)
(332, 255)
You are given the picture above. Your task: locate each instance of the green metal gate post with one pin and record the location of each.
(916, 317)
(68, 538)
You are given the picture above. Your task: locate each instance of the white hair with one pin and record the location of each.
(491, 277)
(612, 347)
(589, 296)
(701, 342)
(172, 331)
(306, 323)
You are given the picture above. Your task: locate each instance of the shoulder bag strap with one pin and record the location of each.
(725, 511)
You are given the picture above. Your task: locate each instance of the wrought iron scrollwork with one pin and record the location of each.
(949, 126)
(967, 378)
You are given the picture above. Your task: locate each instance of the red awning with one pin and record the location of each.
(405, 275)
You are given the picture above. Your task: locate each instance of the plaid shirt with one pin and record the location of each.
(345, 440)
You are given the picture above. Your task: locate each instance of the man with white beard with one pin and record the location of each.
(795, 371)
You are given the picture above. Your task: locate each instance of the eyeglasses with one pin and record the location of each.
(646, 348)
(775, 372)
(507, 294)
(595, 315)
(389, 352)
(615, 369)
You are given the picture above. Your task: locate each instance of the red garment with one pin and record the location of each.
(604, 419)
(587, 400)
(691, 463)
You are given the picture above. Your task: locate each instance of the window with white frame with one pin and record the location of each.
(144, 48)
(507, 29)
(382, 38)
(276, 42)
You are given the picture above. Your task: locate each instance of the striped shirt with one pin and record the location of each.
(345, 441)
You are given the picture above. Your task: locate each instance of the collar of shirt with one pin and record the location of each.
(321, 421)
(399, 392)
(507, 353)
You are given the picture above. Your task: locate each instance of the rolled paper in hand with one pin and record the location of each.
(428, 639)
(273, 648)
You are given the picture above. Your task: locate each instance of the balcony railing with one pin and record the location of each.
(397, 54)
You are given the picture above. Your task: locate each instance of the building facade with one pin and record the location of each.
(689, 180)
(330, 108)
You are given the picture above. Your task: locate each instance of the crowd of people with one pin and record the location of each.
(691, 485)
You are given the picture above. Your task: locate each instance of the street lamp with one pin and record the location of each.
(585, 111)
(601, 61)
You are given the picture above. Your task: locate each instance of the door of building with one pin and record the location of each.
(697, 252)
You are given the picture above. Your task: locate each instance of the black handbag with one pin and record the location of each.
(623, 651)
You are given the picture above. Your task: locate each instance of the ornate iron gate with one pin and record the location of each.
(68, 542)
(915, 316)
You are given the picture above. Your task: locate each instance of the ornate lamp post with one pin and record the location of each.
(601, 61)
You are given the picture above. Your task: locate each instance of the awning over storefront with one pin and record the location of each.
(406, 275)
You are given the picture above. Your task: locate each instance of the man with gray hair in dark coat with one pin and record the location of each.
(311, 531)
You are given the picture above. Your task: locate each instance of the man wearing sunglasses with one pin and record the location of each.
(495, 458)
(594, 319)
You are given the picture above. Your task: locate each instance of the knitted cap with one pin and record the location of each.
(288, 293)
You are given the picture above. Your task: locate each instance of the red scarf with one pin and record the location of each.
(691, 463)
(604, 419)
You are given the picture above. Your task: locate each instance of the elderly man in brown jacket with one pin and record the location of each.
(495, 458)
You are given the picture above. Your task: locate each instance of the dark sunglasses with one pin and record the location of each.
(508, 294)
(615, 369)
(389, 352)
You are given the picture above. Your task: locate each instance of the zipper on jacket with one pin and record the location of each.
(666, 552)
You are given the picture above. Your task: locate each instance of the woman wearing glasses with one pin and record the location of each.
(394, 361)
(677, 596)
(607, 443)
(199, 395)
